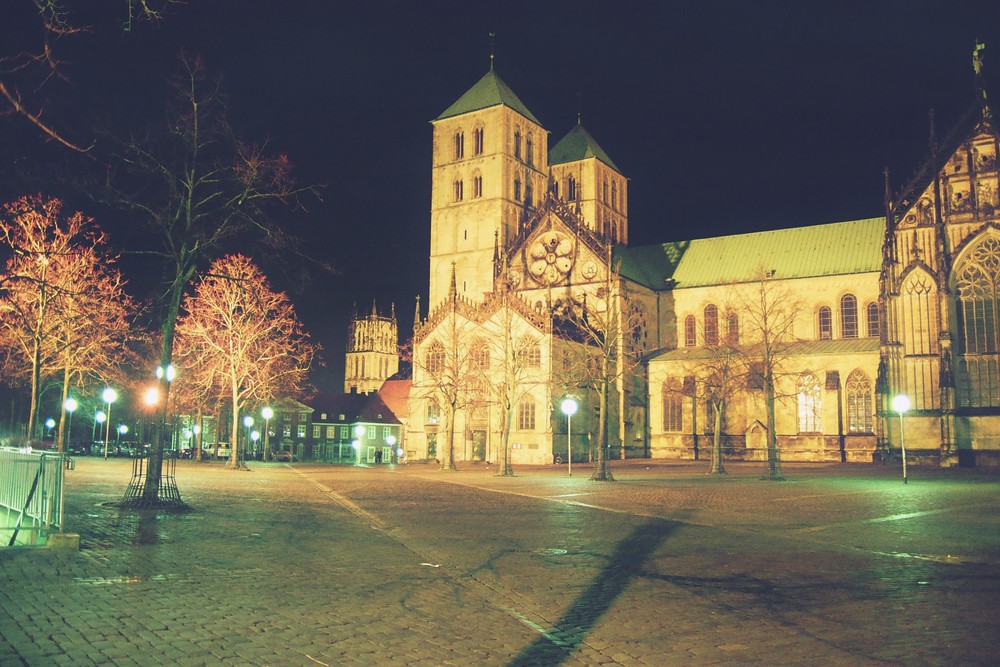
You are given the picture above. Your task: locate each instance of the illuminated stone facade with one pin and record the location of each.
(372, 352)
(905, 303)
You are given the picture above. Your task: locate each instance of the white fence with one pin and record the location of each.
(31, 495)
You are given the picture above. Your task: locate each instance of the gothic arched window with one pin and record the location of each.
(477, 186)
(673, 406)
(526, 415)
(478, 136)
(459, 145)
(733, 328)
(529, 194)
(848, 316)
(689, 331)
(517, 144)
(459, 190)
(529, 352)
(434, 359)
(810, 403)
(529, 150)
(571, 189)
(479, 355)
(977, 280)
(614, 195)
(517, 188)
(711, 325)
(859, 402)
(873, 319)
(825, 323)
(605, 191)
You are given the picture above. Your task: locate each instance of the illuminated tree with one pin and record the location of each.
(238, 335)
(40, 276)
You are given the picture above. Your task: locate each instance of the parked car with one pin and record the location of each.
(283, 456)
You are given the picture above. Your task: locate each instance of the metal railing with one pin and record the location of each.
(31, 495)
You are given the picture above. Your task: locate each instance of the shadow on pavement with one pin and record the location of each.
(628, 559)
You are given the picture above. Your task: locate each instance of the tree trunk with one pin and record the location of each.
(61, 443)
(773, 465)
(505, 469)
(601, 471)
(717, 468)
(448, 455)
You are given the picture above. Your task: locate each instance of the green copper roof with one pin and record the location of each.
(802, 252)
(579, 145)
(490, 91)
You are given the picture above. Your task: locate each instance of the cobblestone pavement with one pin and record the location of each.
(407, 565)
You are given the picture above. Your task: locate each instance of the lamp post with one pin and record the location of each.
(266, 412)
(50, 424)
(359, 432)
(569, 407)
(900, 404)
(391, 441)
(247, 422)
(109, 396)
(99, 418)
(122, 430)
(70, 405)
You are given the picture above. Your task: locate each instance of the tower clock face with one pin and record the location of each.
(550, 258)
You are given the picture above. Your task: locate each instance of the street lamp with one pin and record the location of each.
(109, 396)
(122, 430)
(99, 418)
(568, 407)
(50, 424)
(900, 404)
(70, 405)
(391, 441)
(266, 412)
(247, 422)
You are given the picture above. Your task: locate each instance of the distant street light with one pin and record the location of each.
(50, 424)
(122, 430)
(569, 407)
(247, 423)
(109, 396)
(900, 404)
(99, 418)
(267, 413)
(70, 405)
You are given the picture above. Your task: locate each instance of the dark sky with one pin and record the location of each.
(726, 116)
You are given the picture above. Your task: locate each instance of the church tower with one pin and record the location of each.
(489, 170)
(372, 352)
(586, 179)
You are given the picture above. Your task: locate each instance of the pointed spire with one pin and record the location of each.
(416, 316)
(493, 45)
(496, 253)
(977, 69)
(453, 287)
(392, 310)
(374, 312)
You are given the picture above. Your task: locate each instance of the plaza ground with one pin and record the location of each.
(407, 565)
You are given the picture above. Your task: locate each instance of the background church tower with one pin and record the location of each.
(372, 352)
(489, 168)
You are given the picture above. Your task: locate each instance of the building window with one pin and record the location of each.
(479, 355)
(526, 416)
(433, 412)
(478, 140)
(386, 432)
(434, 360)
(345, 433)
(528, 194)
(977, 280)
(517, 144)
(529, 353)
(459, 188)
(300, 431)
(614, 195)
(673, 407)
(873, 320)
(810, 402)
(459, 145)
(571, 189)
(859, 402)
(529, 150)
(554, 186)
(733, 329)
(371, 432)
(477, 187)
(711, 325)
(315, 432)
(331, 432)
(689, 332)
(848, 316)
(517, 188)
(605, 191)
(825, 323)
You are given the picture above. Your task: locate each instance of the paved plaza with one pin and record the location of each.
(406, 565)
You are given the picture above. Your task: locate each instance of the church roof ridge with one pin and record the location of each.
(578, 144)
(489, 91)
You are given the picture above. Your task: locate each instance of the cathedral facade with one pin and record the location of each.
(372, 352)
(843, 316)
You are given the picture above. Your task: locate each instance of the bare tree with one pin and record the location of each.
(769, 312)
(53, 271)
(242, 337)
(193, 187)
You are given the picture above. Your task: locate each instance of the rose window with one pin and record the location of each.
(550, 258)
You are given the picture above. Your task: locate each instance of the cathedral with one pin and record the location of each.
(372, 352)
(807, 332)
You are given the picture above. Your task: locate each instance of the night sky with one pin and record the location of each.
(726, 116)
